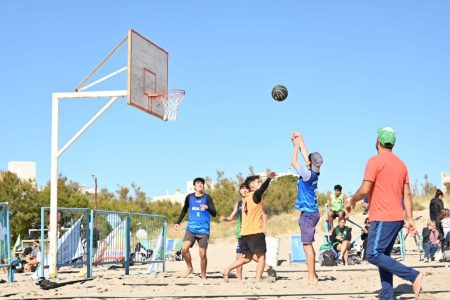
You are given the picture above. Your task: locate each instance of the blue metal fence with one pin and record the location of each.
(102, 237)
(74, 240)
(128, 238)
(111, 229)
(148, 239)
(5, 246)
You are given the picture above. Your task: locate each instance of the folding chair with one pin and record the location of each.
(173, 249)
(297, 253)
(170, 246)
(417, 240)
(326, 227)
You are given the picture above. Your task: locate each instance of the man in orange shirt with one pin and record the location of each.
(386, 182)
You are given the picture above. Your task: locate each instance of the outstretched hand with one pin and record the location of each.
(295, 138)
(271, 175)
(295, 135)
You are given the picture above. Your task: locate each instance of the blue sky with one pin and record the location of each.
(350, 67)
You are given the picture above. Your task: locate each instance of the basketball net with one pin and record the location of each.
(171, 100)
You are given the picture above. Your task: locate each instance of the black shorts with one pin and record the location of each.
(202, 239)
(253, 243)
(336, 213)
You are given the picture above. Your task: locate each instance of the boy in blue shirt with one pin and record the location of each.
(201, 208)
(306, 201)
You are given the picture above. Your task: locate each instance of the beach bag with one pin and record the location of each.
(446, 255)
(328, 258)
(438, 255)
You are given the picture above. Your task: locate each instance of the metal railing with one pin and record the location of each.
(102, 237)
(111, 234)
(128, 238)
(148, 235)
(74, 239)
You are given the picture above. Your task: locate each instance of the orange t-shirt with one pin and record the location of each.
(389, 175)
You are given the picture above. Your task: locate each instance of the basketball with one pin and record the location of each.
(279, 93)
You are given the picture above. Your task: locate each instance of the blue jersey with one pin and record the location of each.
(306, 199)
(199, 219)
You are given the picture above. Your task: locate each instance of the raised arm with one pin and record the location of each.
(294, 158)
(257, 196)
(297, 140)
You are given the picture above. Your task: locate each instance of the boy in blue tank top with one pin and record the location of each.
(306, 201)
(201, 208)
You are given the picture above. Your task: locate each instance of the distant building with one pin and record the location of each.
(179, 197)
(25, 170)
(445, 178)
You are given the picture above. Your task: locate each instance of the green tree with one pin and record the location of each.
(24, 202)
(281, 195)
(224, 194)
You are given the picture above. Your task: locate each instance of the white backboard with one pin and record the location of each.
(147, 73)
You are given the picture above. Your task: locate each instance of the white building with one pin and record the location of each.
(25, 170)
(179, 197)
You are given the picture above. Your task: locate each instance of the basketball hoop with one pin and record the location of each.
(170, 100)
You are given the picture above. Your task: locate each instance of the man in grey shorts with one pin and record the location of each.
(201, 208)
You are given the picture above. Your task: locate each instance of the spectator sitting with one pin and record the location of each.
(336, 205)
(364, 235)
(430, 240)
(31, 258)
(341, 237)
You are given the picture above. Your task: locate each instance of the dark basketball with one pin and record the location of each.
(279, 93)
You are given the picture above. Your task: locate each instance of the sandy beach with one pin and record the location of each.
(341, 282)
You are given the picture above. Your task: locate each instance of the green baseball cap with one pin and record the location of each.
(386, 135)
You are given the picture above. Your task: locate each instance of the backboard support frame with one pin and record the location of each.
(81, 92)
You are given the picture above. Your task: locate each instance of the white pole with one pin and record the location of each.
(102, 79)
(53, 221)
(55, 153)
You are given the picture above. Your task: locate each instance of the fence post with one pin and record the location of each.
(8, 246)
(127, 245)
(164, 245)
(90, 234)
(42, 252)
